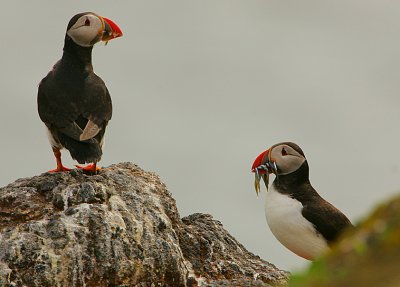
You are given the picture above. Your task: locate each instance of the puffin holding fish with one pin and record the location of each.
(297, 215)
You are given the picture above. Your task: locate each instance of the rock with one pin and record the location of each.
(368, 255)
(215, 254)
(118, 228)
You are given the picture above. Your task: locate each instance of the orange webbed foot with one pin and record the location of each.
(91, 168)
(60, 169)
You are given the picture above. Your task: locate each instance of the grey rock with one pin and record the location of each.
(120, 227)
(216, 256)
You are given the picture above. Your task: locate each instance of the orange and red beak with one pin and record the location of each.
(111, 30)
(262, 167)
(261, 158)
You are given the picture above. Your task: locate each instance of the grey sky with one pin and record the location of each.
(200, 88)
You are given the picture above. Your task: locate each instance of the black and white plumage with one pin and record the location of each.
(73, 101)
(297, 215)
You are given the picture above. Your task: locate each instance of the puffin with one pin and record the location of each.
(73, 102)
(297, 215)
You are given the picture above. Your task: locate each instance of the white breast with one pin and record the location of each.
(52, 140)
(286, 222)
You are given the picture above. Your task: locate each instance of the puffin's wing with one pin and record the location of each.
(56, 109)
(327, 219)
(90, 131)
(80, 117)
(97, 106)
(72, 130)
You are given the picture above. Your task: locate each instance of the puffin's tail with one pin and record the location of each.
(83, 152)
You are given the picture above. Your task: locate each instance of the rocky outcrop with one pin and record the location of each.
(217, 257)
(120, 227)
(368, 255)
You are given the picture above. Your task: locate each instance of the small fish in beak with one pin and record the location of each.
(110, 31)
(263, 172)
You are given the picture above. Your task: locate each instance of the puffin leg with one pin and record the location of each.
(60, 167)
(91, 168)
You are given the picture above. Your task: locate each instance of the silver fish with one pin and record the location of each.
(269, 166)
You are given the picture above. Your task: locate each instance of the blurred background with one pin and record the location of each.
(200, 88)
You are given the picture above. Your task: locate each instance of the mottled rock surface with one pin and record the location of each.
(118, 228)
(368, 255)
(216, 255)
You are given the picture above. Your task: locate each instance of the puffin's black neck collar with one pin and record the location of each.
(289, 182)
(77, 55)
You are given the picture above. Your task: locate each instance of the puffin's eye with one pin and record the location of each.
(283, 151)
(87, 22)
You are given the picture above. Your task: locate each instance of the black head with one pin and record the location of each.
(281, 159)
(88, 28)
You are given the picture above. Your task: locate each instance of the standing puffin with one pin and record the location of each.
(73, 101)
(297, 215)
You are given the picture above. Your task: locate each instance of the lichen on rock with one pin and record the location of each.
(118, 228)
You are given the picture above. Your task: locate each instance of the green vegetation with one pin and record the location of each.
(368, 255)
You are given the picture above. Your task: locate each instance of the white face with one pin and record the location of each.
(87, 30)
(286, 158)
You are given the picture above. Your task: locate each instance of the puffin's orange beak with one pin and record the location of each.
(262, 167)
(111, 30)
(262, 157)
